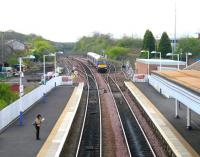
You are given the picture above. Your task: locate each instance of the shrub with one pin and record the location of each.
(6, 95)
(2, 104)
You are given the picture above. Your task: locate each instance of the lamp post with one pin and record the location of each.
(44, 79)
(173, 54)
(55, 65)
(2, 48)
(21, 87)
(187, 54)
(49, 55)
(143, 51)
(154, 52)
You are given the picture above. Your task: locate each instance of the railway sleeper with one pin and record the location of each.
(94, 112)
(117, 94)
(91, 148)
(93, 89)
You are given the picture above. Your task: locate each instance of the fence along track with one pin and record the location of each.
(137, 141)
(90, 144)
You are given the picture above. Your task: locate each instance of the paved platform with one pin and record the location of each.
(167, 108)
(20, 141)
(55, 141)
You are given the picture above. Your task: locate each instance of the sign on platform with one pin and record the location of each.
(21, 90)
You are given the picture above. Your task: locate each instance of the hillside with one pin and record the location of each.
(10, 40)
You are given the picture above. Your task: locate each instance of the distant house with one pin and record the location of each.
(15, 45)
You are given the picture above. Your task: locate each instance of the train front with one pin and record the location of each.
(102, 65)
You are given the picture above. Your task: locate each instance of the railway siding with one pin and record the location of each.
(175, 141)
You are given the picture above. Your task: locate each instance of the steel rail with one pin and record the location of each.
(135, 144)
(92, 149)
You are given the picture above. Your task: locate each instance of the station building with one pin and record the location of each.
(182, 85)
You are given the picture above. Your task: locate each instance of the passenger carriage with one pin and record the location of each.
(100, 62)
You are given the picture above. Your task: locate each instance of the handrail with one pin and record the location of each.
(191, 65)
(178, 89)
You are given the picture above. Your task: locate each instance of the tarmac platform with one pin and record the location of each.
(21, 141)
(167, 108)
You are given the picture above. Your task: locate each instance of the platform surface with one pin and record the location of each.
(19, 141)
(167, 108)
(56, 139)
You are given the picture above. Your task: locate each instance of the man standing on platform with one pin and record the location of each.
(38, 122)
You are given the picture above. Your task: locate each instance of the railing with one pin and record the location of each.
(188, 98)
(11, 112)
(194, 66)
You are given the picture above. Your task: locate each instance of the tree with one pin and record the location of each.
(129, 42)
(148, 41)
(164, 45)
(117, 52)
(40, 46)
(6, 95)
(189, 45)
(96, 43)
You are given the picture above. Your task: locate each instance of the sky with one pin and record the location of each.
(69, 20)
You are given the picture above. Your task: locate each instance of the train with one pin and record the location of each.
(100, 62)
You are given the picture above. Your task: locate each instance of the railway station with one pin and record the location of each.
(155, 118)
(99, 78)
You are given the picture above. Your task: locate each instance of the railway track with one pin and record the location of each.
(136, 139)
(64, 62)
(90, 139)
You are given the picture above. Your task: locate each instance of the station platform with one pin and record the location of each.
(21, 141)
(160, 110)
(56, 139)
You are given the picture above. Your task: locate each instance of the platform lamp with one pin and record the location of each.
(44, 71)
(21, 87)
(187, 54)
(144, 51)
(154, 52)
(173, 54)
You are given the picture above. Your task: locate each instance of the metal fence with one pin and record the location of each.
(11, 112)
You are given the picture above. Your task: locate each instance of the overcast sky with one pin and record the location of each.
(68, 20)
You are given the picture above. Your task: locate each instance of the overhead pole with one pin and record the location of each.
(174, 45)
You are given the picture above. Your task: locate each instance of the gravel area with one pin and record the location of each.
(113, 138)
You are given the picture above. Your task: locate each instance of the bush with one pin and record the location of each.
(2, 104)
(6, 95)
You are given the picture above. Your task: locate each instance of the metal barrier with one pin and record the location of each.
(11, 112)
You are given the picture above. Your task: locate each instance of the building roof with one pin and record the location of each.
(163, 61)
(94, 55)
(189, 79)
